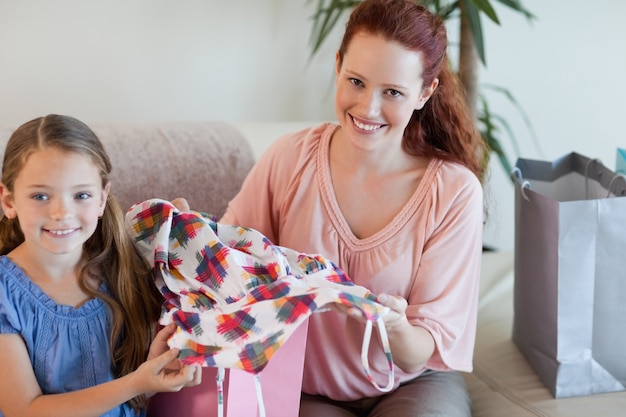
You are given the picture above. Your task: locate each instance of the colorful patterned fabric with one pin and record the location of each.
(234, 295)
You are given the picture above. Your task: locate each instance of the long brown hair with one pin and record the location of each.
(109, 255)
(443, 128)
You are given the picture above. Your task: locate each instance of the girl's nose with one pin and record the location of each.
(61, 210)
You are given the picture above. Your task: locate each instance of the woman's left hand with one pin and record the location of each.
(397, 310)
(395, 317)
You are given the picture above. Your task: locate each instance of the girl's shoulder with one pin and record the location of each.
(18, 291)
(13, 278)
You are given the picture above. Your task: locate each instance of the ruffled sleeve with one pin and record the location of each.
(9, 321)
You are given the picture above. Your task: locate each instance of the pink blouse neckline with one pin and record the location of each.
(332, 206)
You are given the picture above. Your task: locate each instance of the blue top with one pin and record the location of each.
(68, 347)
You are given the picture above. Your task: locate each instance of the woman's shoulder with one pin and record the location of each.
(454, 185)
(457, 177)
(298, 145)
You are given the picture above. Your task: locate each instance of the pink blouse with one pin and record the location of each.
(429, 254)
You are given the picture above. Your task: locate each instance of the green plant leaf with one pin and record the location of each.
(486, 8)
(518, 7)
(473, 18)
(325, 19)
(520, 110)
(444, 11)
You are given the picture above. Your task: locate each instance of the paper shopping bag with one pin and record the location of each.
(620, 161)
(570, 274)
(281, 382)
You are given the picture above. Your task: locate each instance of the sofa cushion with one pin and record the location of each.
(205, 162)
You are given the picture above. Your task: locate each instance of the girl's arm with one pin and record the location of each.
(21, 396)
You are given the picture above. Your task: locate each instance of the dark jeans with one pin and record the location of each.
(432, 394)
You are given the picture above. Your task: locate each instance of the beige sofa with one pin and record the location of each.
(207, 161)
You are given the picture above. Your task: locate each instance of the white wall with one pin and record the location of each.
(134, 60)
(247, 60)
(568, 71)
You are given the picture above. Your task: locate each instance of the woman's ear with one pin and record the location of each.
(7, 202)
(426, 93)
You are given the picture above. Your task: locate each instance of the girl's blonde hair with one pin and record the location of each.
(109, 255)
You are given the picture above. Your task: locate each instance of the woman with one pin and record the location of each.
(393, 195)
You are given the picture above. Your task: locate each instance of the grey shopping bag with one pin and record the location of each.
(570, 274)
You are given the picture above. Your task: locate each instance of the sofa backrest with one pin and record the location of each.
(205, 162)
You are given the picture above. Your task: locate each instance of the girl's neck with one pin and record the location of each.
(55, 275)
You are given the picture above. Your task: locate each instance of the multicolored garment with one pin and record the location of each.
(234, 295)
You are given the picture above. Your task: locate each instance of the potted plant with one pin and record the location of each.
(471, 53)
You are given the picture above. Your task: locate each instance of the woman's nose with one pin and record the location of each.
(371, 104)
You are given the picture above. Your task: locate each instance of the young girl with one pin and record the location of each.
(77, 305)
(392, 194)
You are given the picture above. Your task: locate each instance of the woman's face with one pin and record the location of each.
(379, 85)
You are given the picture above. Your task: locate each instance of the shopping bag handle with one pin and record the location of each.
(589, 162)
(622, 191)
(516, 175)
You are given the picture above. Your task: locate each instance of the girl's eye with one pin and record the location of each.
(40, 197)
(394, 93)
(355, 81)
(82, 196)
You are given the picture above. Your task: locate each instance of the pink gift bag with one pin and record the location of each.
(281, 381)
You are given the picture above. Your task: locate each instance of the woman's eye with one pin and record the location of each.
(40, 197)
(356, 81)
(82, 196)
(394, 93)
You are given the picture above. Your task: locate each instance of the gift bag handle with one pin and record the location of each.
(622, 191)
(516, 174)
(589, 162)
(382, 332)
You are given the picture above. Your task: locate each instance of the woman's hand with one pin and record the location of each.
(395, 317)
(397, 311)
(411, 345)
(181, 204)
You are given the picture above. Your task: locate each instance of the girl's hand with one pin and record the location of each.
(156, 374)
(159, 346)
(159, 343)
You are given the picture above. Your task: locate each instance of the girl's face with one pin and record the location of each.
(379, 85)
(57, 197)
